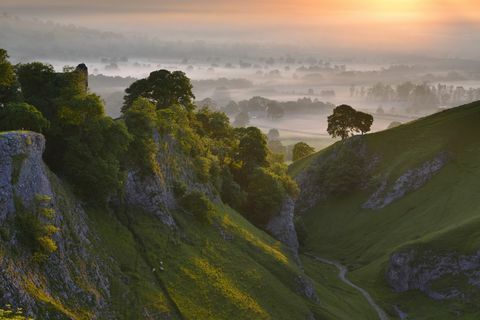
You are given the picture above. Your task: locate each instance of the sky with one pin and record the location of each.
(403, 25)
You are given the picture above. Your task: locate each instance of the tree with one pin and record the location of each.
(301, 150)
(265, 196)
(92, 157)
(141, 120)
(38, 87)
(163, 88)
(404, 90)
(363, 122)
(340, 123)
(241, 120)
(252, 148)
(345, 121)
(21, 116)
(8, 81)
(274, 110)
(273, 134)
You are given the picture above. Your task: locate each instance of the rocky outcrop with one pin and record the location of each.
(154, 192)
(151, 194)
(22, 172)
(282, 226)
(410, 181)
(414, 270)
(23, 178)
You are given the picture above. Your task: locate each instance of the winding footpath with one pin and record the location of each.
(342, 275)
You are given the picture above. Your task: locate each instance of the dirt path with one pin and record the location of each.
(342, 275)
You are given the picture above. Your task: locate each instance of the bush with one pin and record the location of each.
(9, 313)
(343, 175)
(36, 232)
(265, 196)
(199, 205)
(22, 116)
(231, 192)
(301, 150)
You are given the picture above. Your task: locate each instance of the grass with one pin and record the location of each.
(443, 215)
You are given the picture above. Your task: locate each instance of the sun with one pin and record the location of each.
(395, 5)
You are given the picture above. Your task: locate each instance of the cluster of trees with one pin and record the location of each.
(345, 121)
(236, 161)
(93, 150)
(83, 144)
(418, 96)
(263, 107)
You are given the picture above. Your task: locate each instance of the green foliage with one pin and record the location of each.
(36, 230)
(179, 189)
(216, 131)
(92, 157)
(12, 314)
(231, 192)
(37, 81)
(265, 195)
(363, 122)
(344, 175)
(8, 81)
(198, 204)
(163, 88)
(252, 149)
(141, 120)
(345, 121)
(21, 116)
(47, 90)
(440, 218)
(301, 150)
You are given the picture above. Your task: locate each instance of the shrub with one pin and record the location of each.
(35, 230)
(231, 192)
(343, 175)
(22, 116)
(301, 150)
(9, 313)
(199, 205)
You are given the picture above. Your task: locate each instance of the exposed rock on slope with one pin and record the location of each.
(282, 226)
(23, 178)
(141, 257)
(410, 181)
(412, 270)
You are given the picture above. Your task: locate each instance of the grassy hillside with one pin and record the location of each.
(443, 215)
(230, 271)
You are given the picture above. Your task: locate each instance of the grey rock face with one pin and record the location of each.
(24, 176)
(306, 288)
(282, 226)
(151, 194)
(413, 271)
(154, 192)
(410, 181)
(22, 171)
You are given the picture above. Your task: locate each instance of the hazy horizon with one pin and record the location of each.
(432, 28)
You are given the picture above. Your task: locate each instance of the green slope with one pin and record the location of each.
(443, 215)
(243, 275)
